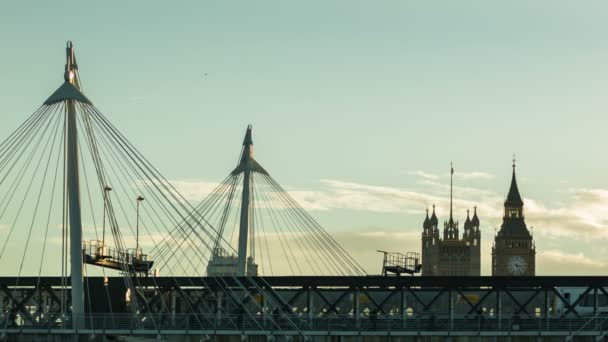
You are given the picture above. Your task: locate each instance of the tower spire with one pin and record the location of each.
(513, 197)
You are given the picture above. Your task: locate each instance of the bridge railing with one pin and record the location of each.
(328, 323)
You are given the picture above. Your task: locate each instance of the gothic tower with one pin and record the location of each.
(472, 236)
(450, 254)
(513, 253)
(430, 245)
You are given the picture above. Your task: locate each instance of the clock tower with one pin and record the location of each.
(513, 253)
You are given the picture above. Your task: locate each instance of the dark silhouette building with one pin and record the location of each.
(450, 254)
(513, 253)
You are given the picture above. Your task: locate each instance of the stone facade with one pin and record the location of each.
(451, 255)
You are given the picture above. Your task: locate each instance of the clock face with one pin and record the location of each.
(517, 265)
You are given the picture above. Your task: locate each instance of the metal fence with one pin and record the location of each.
(298, 324)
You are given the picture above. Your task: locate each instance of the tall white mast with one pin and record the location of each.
(73, 189)
(246, 165)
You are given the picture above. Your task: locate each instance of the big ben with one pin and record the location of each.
(513, 253)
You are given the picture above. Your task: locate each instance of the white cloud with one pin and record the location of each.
(467, 175)
(423, 174)
(194, 190)
(583, 216)
(556, 262)
(577, 219)
(473, 175)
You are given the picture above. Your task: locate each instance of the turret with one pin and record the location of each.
(467, 226)
(434, 221)
(475, 219)
(426, 226)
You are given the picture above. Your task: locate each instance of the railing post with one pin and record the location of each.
(309, 303)
(547, 308)
(356, 308)
(404, 306)
(451, 310)
(498, 309)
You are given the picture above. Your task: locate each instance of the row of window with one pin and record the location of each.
(517, 244)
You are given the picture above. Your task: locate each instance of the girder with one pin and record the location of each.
(391, 296)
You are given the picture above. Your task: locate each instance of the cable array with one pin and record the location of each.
(283, 239)
(113, 176)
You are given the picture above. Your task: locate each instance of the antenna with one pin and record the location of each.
(451, 187)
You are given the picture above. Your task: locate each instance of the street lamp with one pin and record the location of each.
(139, 199)
(106, 191)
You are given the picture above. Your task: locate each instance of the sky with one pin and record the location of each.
(358, 107)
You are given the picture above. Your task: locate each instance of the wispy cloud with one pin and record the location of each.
(194, 190)
(473, 175)
(578, 219)
(581, 213)
(423, 174)
(582, 216)
(555, 262)
(381, 199)
(467, 175)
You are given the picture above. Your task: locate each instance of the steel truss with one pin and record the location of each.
(320, 305)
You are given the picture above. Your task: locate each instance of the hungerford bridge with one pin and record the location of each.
(100, 246)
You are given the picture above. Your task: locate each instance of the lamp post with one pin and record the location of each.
(106, 190)
(139, 199)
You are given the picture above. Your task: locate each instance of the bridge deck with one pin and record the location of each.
(368, 305)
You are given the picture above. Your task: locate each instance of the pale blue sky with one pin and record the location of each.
(355, 91)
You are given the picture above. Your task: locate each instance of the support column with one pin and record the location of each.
(356, 307)
(244, 227)
(73, 185)
(595, 301)
(309, 305)
(403, 306)
(218, 309)
(245, 166)
(547, 308)
(498, 309)
(451, 309)
(173, 306)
